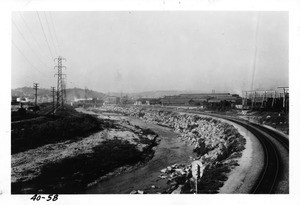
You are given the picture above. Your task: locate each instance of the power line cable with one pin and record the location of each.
(55, 50)
(26, 58)
(54, 31)
(44, 34)
(30, 31)
(27, 27)
(255, 50)
(28, 43)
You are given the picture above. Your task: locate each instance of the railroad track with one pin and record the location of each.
(46, 111)
(284, 141)
(272, 170)
(270, 174)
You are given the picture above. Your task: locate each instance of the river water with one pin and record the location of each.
(169, 151)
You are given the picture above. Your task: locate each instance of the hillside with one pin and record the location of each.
(29, 92)
(72, 93)
(160, 93)
(77, 93)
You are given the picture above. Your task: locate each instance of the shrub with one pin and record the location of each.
(32, 135)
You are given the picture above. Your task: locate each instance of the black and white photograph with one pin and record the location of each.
(147, 102)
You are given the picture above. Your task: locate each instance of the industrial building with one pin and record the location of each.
(111, 100)
(202, 99)
(148, 101)
(208, 100)
(92, 102)
(269, 100)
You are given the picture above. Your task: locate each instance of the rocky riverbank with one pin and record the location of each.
(218, 146)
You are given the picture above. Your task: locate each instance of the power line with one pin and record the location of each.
(44, 33)
(26, 58)
(30, 31)
(55, 50)
(255, 50)
(28, 43)
(54, 31)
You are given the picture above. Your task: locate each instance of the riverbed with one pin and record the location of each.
(169, 151)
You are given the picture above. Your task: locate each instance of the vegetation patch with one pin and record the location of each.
(71, 126)
(72, 175)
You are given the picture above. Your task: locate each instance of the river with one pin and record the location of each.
(169, 151)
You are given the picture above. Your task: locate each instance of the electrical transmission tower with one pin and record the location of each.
(60, 82)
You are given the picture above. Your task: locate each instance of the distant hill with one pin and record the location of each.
(159, 93)
(29, 92)
(72, 93)
(147, 94)
(79, 93)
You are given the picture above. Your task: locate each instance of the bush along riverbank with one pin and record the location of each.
(69, 125)
(70, 166)
(218, 146)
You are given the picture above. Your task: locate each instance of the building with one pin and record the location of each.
(202, 99)
(111, 100)
(91, 102)
(148, 101)
(175, 101)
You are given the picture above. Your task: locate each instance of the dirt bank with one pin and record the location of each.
(66, 125)
(69, 166)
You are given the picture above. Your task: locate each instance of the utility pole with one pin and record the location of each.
(85, 96)
(253, 101)
(273, 101)
(60, 83)
(53, 95)
(264, 99)
(121, 100)
(35, 87)
(64, 92)
(246, 99)
(85, 93)
(284, 96)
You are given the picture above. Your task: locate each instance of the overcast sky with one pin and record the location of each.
(142, 51)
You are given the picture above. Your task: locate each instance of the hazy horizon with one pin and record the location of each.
(140, 51)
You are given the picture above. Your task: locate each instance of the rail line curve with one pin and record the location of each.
(273, 166)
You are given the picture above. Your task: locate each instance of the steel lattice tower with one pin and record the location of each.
(60, 82)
